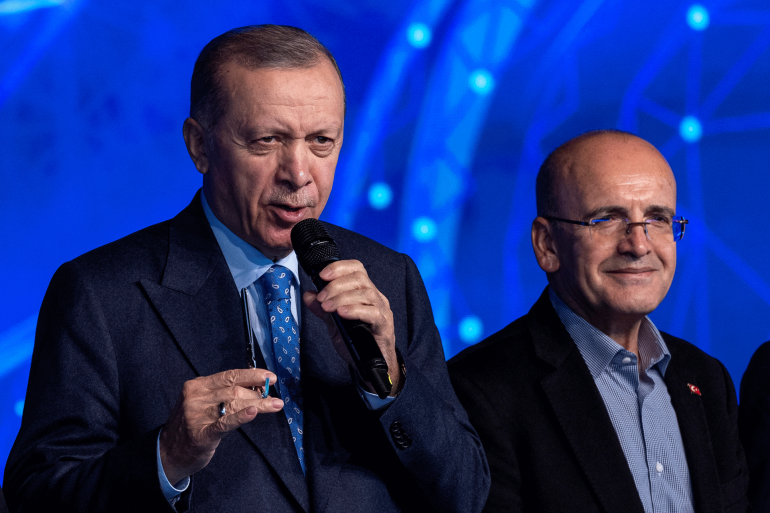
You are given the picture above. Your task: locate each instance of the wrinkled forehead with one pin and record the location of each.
(611, 170)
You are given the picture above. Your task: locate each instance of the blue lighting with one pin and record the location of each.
(471, 329)
(481, 81)
(424, 229)
(380, 195)
(419, 35)
(698, 17)
(16, 6)
(690, 129)
(18, 408)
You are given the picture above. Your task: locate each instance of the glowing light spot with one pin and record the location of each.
(470, 329)
(690, 129)
(424, 229)
(16, 6)
(481, 81)
(698, 17)
(380, 195)
(18, 408)
(419, 35)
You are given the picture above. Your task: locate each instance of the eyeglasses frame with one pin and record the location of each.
(682, 222)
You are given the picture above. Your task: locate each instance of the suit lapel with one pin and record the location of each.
(199, 303)
(581, 412)
(694, 429)
(320, 364)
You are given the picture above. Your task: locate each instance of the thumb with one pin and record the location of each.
(309, 298)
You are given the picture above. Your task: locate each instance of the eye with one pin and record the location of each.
(603, 219)
(658, 219)
(322, 140)
(267, 139)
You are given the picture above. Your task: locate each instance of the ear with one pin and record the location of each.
(544, 245)
(195, 140)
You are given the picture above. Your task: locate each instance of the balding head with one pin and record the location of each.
(555, 179)
(598, 180)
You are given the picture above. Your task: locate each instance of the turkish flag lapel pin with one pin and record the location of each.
(693, 389)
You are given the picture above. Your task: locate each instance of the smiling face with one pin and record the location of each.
(269, 161)
(605, 279)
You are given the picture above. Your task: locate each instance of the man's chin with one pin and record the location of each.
(274, 247)
(635, 306)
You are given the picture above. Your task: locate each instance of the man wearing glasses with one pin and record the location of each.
(582, 404)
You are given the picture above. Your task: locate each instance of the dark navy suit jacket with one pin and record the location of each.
(549, 439)
(124, 326)
(754, 424)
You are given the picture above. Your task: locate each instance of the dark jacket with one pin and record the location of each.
(754, 426)
(124, 326)
(550, 442)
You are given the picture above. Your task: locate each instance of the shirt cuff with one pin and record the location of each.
(372, 401)
(170, 492)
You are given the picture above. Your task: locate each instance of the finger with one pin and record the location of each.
(266, 405)
(223, 425)
(228, 395)
(238, 378)
(379, 322)
(314, 306)
(369, 297)
(356, 281)
(339, 345)
(341, 268)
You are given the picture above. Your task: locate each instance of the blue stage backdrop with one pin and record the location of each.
(452, 105)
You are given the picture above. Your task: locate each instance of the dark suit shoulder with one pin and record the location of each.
(691, 356)
(503, 343)
(502, 365)
(758, 371)
(141, 254)
(353, 245)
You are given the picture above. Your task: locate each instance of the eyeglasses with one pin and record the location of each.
(660, 229)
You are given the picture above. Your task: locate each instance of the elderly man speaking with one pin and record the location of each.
(149, 383)
(582, 404)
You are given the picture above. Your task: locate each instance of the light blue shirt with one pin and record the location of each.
(247, 265)
(639, 407)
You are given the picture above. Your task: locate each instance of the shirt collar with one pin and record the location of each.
(247, 264)
(598, 350)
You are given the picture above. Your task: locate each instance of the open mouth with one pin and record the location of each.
(289, 208)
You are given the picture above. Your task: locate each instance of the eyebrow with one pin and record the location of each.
(254, 131)
(617, 210)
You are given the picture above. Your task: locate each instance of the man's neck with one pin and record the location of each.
(623, 329)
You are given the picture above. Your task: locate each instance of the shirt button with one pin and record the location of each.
(627, 360)
(659, 467)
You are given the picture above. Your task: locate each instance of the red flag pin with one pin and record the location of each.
(693, 389)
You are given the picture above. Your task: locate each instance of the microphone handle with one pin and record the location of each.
(363, 349)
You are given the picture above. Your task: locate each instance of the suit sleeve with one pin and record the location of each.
(734, 491)
(754, 426)
(426, 425)
(69, 454)
(505, 489)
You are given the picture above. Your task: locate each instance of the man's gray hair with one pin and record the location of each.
(253, 47)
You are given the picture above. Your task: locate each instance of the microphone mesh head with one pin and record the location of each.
(313, 245)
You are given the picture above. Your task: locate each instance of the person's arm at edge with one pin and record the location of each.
(74, 381)
(754, 426)
(446, 457)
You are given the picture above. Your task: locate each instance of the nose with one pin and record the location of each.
(635, 242)
(294, 168)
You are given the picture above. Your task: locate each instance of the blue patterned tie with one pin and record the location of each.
(276, 283)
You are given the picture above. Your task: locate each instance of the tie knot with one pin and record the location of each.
(277, 283)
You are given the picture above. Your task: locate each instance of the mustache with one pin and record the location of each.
(294, 199)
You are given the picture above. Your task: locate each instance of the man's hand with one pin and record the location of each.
(193, 431)
(352, 295)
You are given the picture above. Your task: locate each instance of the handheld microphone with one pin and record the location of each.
(315, 250)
